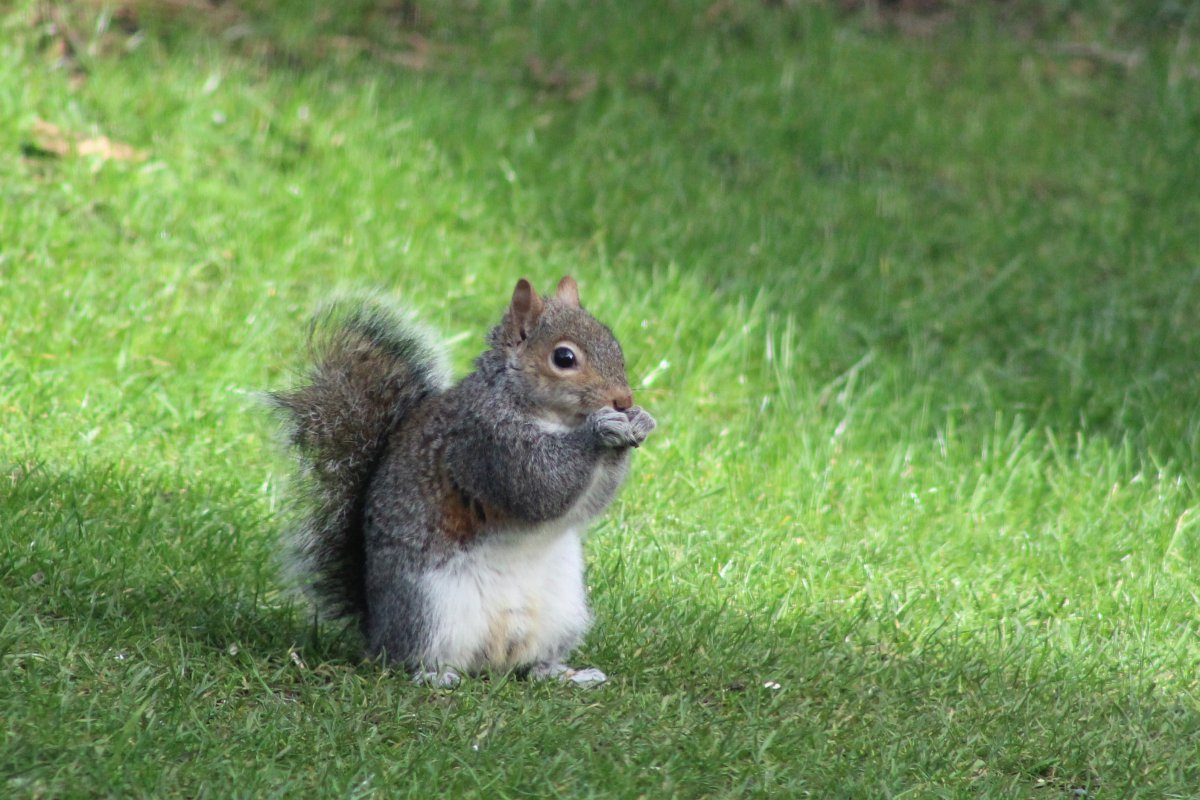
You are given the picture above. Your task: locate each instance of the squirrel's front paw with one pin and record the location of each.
(622, 428)
(613, 428)
(640, 423)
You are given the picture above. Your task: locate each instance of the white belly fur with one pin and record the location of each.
(512, 599)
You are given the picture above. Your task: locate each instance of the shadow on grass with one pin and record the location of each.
(99, 561)
(121, 558)
(875, 709)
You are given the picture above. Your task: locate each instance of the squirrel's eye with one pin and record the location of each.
(564, 358)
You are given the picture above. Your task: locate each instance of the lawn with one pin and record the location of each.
(913, 295)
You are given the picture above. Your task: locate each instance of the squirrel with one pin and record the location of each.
(445, 520)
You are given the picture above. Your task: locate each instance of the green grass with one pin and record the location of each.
(916, 313)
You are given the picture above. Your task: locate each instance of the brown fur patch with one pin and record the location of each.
(462, 518)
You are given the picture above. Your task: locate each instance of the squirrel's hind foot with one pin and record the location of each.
(589, 676)
(437, 679)
(449, 679)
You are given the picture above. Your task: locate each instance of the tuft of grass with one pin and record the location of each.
(912, 297)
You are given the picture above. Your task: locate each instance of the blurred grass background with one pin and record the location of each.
(910, 286)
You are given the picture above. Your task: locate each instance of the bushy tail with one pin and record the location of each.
(370, 367)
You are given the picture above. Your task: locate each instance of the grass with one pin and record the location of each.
(916, 314)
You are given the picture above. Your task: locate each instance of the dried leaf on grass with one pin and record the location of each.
(919, 19)
(210, 15)
(74, 33)
(47, 139)
(418, 57)
(414, 52)
(557, 79)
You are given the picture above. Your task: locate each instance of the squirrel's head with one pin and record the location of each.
(570, 362)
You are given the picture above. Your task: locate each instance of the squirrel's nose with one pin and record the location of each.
(623, 402)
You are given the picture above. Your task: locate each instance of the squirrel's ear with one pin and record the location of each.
(568, 291)
(526, 309)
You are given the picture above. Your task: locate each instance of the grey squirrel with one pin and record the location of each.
(447, 520)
